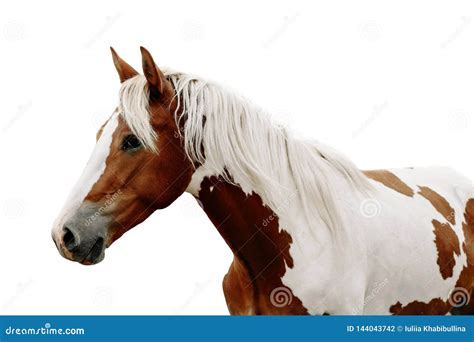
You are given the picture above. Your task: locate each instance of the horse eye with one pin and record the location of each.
(131, 142)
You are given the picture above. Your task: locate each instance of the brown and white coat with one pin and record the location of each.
(310, 233)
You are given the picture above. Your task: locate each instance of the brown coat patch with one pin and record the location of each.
(238, 291)
(390, 180)
(146, 182)
(439, 203)
(465, 281)
(447, 244)
(261, 249)
(466, 278)
(434, 307)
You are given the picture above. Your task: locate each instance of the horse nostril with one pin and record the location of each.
(69, 240)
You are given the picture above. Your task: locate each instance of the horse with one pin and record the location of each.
(309, 231)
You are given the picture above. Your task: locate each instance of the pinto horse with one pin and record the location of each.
(310, 233)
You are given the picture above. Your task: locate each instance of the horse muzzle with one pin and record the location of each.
(81, 238)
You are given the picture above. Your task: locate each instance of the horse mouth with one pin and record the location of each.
(96, 254)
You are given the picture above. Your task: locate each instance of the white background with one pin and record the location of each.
(390, 84)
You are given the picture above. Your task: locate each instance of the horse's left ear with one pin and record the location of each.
(124, 70)
(153, 74)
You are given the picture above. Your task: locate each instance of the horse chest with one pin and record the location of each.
(247, 297)
(238, 294)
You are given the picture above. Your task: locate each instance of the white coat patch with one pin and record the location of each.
(94, 169)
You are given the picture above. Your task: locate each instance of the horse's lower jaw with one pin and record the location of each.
(88, 261)
(96, 255)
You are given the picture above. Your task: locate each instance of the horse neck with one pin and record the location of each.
(249, 228)
(260, 247)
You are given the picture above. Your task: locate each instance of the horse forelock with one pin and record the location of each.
(134, 109)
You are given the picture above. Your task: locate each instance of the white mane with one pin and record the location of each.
(134, 109)
(226, 132)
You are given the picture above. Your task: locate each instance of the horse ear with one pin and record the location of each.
(124, 70)
(152, 73)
